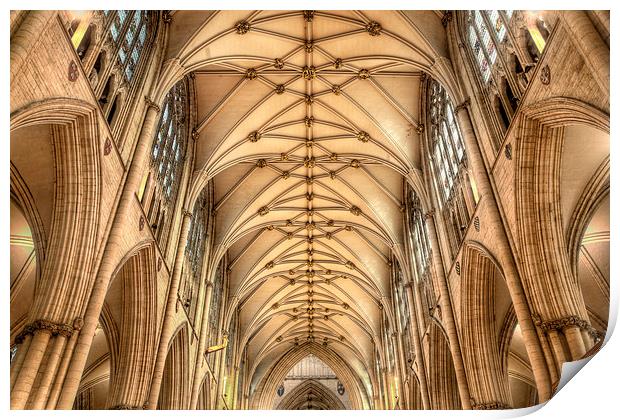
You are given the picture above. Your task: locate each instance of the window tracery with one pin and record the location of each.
(197, 240)
(505, 46)
(448, 165)
(421, 247)
(215, 311)
(161, 184)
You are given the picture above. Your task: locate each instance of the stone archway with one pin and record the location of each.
(311, 395)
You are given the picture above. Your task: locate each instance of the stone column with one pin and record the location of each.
(64, 364)
(168, 325)
(589, 43)
(447, 314)
(22, 350)
(110, 258)
(201, 347)
(575, 342)
(504, 255)
(30, 367)
(42, 393)
(417, 347)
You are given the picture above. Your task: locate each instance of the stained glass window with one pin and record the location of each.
(169, 147)
(128, 32)
(446, 145)
(447, 165)
(482, 43)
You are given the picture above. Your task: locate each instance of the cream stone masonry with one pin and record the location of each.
(306, 209)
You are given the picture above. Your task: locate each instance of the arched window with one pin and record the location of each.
(400, 297)
(505, 46)
(421, 250)
(197, 240)
(447, 164)
(215, 311)
(128, 33)
(160, 186)
(170, 143)
(484, 41)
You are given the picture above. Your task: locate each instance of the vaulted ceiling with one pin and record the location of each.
(308, 123)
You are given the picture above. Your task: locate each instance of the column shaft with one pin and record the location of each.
(168, 324)
(447, 315)
(505, 256)
(110, 259)
(201, 347)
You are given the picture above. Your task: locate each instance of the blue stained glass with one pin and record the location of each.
(128, 72)
(122, 15)
(122, 55)
(142, 34)
(114, 31)
(135, 55)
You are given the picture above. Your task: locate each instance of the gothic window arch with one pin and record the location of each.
(160, 188)
(504, 46)
(402, 304)
(448, 165)
(128, 34)
(215, 310)
(421, 247)
(197, 242)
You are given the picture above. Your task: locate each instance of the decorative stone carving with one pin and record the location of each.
(545, 75)
(308, 72)
(355, 163)
(107, 147)
(73, 72)
(242, 27)
(141, 223)
(495, 405)
(338, 64)
(508, 151)
(309, 45)
(166, 17)
(254, 136)
(151, 104)
(363, 74)
(280, 89)
(363, 136)
(251, 74)
(286, 175)
(308, 121)
(159, 264)
(568, 321)
(263, 211)
(477, 223)
(261, 163)
(309, 162)
(308, 15)
(336, 89)
(462, 105)
(419, 129)
(309, 99)
(355, 210)
(309, 180)
(373, 28)
(457, 268)
(350, 265)
(269, 265)
(278, 63)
